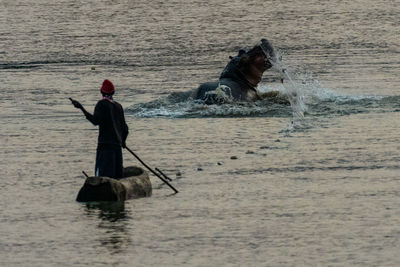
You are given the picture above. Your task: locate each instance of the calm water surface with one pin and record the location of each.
(318, 191)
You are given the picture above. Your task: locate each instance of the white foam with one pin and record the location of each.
(292, 90)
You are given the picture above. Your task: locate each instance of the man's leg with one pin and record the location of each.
(105, 163)
(119, 169)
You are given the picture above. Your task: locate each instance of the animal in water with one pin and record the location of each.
(239, 79)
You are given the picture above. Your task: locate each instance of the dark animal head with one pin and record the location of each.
(258, 59)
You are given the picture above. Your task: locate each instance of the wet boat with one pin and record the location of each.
(135, 184)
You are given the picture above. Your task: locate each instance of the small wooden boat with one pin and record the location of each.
(135, 184)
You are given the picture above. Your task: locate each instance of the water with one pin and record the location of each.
(316, 191)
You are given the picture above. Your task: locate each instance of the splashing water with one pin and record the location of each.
(292, 90)
(222, 94)
(304, 93)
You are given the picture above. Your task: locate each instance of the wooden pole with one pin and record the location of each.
(163, 175)
(156, 174)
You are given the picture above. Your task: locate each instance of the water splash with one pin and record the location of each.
(315, 102)
(293, 90)
(309, 101)
(189, 108)
(222, 94)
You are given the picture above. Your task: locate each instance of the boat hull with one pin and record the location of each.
(135, 184)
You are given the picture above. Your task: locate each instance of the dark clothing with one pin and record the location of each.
(109, 162)
(109, 115)
(113, 131)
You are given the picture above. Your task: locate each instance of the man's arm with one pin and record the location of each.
(88, 116)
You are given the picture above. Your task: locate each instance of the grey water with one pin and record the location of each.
(258, 185)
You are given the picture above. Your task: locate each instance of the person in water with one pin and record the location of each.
(113, 131)
(239, 79)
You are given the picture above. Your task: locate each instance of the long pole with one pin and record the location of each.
(163, 175)
(156, 174)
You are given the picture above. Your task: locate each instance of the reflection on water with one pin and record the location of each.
(108, 210)
(113, 217)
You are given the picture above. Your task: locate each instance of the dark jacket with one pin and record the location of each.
(109, 115)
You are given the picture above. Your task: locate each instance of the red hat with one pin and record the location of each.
(107, 87)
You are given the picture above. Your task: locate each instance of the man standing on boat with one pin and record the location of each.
(113, 131)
